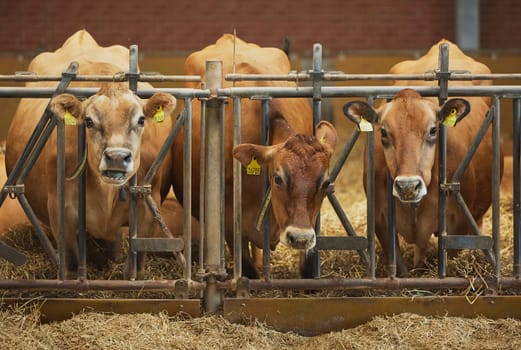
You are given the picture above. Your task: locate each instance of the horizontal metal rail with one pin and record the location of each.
(143, 77)
(340, 76)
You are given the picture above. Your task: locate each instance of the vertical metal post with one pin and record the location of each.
(313, 255)
(187, 188)
(443, 75)
(213, 193)
(202, 177)
(82, 234)
(60, 196)
(266, 252)
(132, 76)
(496, 179)
(237, 194)
(391, 228)
(370, 204)
(516, 195)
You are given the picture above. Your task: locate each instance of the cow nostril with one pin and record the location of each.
(128, 158)
(418, 185)
(291, 239)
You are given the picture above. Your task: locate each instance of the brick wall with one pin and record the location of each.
(186, 25)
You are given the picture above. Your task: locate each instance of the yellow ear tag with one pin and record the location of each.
(364, 125)
(450, 120)
(159, 116)
(322, 140)
(69, 119)
(253, 168)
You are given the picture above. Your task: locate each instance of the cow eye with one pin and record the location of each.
(141, 121)
(89, 123)
(278, 180)
(383, 133)
(433, 131)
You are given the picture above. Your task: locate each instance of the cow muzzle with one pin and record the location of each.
(409, 189)
(298, 238)
(116, 165)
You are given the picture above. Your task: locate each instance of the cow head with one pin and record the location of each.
(407, 129)
(298, 172)
(115, 119)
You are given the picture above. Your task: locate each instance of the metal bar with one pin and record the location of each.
(82, 205)
(370, 195)
(237, 193)
(144, 77)
(474, 146)
(391, 259)
(516, 120)
(60, 197)
(344, 155)
(380, 283)
(92, 285)
(301, 91)
(467, 242)
(443, 68)
(165, 148)
(341, 243)
(211, 194)
(496, 179)
(266, 227)
(158, 244)
(40, 233)
(202, 186)
(132, 231)
(187, 187)
(442, 199)
(340, 76)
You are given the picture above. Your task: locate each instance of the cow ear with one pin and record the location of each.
(159, 105)
(359, 112)
(453, 111)
(327, 135)
(279, 129)
(247, 152)
(67, 107)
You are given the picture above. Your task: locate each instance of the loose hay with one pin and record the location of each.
(22, 330)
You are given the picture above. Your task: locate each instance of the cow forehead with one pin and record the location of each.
(409, 113)
(301, 152)
(115, 107)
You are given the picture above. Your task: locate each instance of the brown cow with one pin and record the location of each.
(121, 138)
(405, 141)
(287, 117)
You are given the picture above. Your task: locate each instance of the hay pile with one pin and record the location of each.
(21, 330)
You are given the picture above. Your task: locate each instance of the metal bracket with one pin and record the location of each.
(141, 190)
(451, 187)
(243, 288)
(181, 289)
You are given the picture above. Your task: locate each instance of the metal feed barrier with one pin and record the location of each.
(211, 277)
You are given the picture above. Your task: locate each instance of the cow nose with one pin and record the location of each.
(299, 238)
(409, 189)
(117, 157)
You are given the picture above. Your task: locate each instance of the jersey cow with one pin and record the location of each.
(405, 146)
(296, 161)
(121, 140)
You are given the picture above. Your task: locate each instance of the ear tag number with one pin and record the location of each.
(253, 168)
(159, 116)
(69, 119)
(364, 125)
(451, 120)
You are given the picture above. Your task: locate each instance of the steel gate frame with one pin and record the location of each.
(211, 272)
